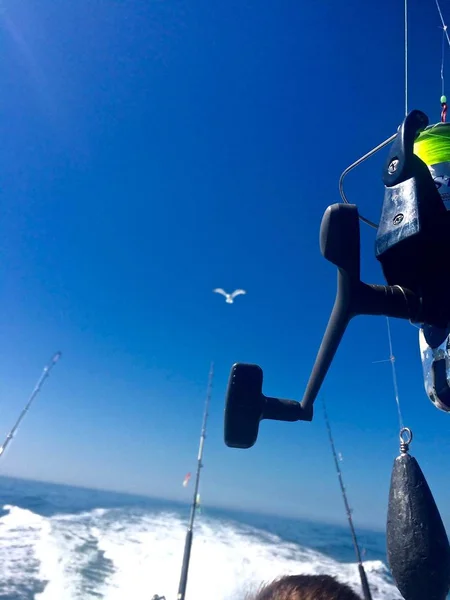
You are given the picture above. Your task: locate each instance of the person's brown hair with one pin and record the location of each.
(305, 587)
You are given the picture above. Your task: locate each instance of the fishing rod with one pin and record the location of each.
(348, 510)
(194, 505)
(37, 389)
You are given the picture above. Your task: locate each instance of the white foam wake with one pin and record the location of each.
(20, 531)
(118, 554)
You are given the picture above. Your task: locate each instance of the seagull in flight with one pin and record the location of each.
(229, 298)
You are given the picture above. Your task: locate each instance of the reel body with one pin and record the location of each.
(412, 245)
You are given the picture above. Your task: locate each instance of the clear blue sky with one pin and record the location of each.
(153, 150)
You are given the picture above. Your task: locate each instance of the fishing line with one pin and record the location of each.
(444, 36)
(444, 26)
(406, 57)
(394, 376)
(442, 63)
(391, 359)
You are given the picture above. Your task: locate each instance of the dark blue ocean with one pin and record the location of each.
(63, 543)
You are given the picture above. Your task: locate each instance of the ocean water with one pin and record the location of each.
(64, 543)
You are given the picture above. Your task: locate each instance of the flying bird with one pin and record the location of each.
(229, 298)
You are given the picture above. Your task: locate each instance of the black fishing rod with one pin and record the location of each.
(37, 389)
(362, 574)
(189, 534)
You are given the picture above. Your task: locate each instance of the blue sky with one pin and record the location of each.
(151, 151)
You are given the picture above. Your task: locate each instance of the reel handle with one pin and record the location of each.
(411, 245)
(340, 244)
(246, 405)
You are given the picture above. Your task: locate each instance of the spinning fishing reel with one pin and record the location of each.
(412, 245)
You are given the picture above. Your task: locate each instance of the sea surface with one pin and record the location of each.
(65, 543)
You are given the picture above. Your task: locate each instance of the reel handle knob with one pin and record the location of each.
(246, 406)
